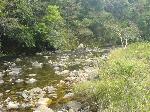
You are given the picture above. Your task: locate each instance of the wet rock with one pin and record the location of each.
(31, 81)
(68, 96)
(12, 105)
(18, 60)
(19, 80)
(37, 64)
(43, 108)
(38, 54)
(32, 75)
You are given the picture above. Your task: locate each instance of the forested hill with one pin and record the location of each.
(63, 24)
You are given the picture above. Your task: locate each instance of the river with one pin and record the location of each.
(29, 82)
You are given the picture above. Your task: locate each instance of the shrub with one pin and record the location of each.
(124, 81)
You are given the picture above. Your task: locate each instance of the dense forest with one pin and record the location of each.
(75, 55)
(64, 24)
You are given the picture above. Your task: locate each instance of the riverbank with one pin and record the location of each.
(123, 83)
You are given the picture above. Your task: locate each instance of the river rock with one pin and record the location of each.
(69, 95)
(37, 64)
(19, 80)
(49, 89)
(54, 95)
(50, 62)
(14, 71)
(81, 46)
(31, 81)
(1, 94)
(1, 74)
(43, 101)
(56, 68)
(32, 75)
(1, 81)
(43, 108)
(18, 60)
(25, 105)
(65, 72)
(38, 54)
(46, 57)
(12, 105)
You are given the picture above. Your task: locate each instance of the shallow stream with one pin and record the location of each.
(26, 79)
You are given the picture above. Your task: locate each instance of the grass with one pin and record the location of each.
(124, 84)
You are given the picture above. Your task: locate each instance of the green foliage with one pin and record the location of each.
(64, 24)
(53, 14)
(124, 81)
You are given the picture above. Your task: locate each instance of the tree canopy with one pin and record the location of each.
(64, 24)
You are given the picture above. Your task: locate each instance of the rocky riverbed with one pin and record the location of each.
(43, 82)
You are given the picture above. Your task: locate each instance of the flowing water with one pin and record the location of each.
(41, 73)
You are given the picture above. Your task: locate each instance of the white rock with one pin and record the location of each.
(43, 101)
(19, 80)
(30, 81)
(65, 72)
(50, 62)
(38, 54)
(56, 68)
(46, 57)
(12, 105)
(69, 95)
(32, 75)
